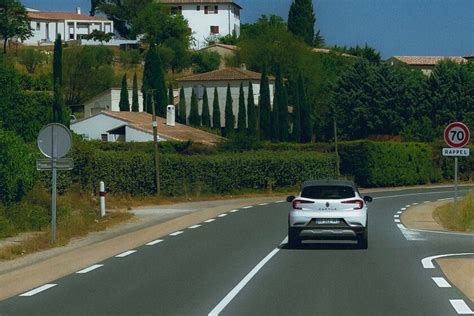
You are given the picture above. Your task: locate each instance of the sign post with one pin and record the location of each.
(54, 142)
(456, 135)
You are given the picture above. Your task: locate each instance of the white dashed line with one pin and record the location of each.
(441, 282)
(126, 253)
(426, 202)
(407, 206)
(461, 307)
(280, 201)
(263, 204)
(233, 211)
(91, 268)
(195, 226)
(210, 220)
(414, 204)
(403, 209)
(397, 221)
(222, 215)
(445, 199)
(399, 212)
(428, 261)
(176, 233)
(396, 216)
(154, 242)
(38, 290)
(245, 207)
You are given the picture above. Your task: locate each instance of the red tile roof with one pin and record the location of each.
(226, 46)
(61, 16)
(226, 74)
(427, 60)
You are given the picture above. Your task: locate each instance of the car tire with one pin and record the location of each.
(293, 238)
(364, 239)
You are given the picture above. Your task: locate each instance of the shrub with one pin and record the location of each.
(30, 58)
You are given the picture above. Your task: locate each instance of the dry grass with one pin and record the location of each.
(460, 220)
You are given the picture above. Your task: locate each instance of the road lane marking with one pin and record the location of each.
(403, 209)
(230, 296)
(245, 207)
(461, 307)
(443, 232)
(396, 215)
(210, 220)
(426, 202)
(126, 253)
(194, 226)
(233, 211)
(445, 199)
(397, 221)
(428, 261)
(399, 212)
(280, 201)
(407, 206)
(38, 290)
(154, 242)
(176, 233)
(263, 204)
(410, 234)
(91, 268)
(441, 282)
(222, 215)
(409, 194)
(414, 204)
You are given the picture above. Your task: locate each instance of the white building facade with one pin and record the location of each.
(208, 19)
(109, 100)
(71, 26)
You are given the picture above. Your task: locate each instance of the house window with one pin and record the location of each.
(198, 8)
(210, 10)
(216, 9)
(214, 29)
(38, 26)
(104, 137)
(177, 10)
(71, 36)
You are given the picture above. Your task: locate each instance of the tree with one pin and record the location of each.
(306, 121)
(205, 61)
(275, 119)
(30, 58)
(296, 134)
(124, 104)
(206, 117)
(229, 114)
(60, 113)
(154, 80)
(242, 116)
(301, 20)
(216, 111)
(281, 107)
(135, 103)
(99, 36)
(182, 107)
(194, 118)
(170, 95)
(14, 21)
(251, 113)
(264, 106)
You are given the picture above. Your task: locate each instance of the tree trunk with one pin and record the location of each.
(5, 45)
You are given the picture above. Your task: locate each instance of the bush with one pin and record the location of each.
(445, 165)
(204, 61)
(31, 58)
(130, 58)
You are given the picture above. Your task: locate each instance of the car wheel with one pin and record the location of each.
(364, 239)
(293, 238)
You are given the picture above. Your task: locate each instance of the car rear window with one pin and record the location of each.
(328, 192)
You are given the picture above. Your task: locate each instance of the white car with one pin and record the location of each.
(328, 210)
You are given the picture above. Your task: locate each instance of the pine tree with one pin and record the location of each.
(282, 106)
(229, 114)
(206, 117)
(60, 113)
(216, 111)
(301, 20)
(251, 115)
(194, 118)
(306, 122)
(182, 107)
(242, 116)
(124, 104)
(135, 103)
(296, 134)
(264, 106)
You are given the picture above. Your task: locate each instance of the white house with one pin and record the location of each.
(220, 79)
(424, 63)
(46, 26)
(109, 101)
(136, 127)
(208, 18)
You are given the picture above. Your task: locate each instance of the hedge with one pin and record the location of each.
(133, 172)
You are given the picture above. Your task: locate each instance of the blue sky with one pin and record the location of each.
(394, 27)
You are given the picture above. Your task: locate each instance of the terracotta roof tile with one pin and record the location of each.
(226, 46)
(427, 60)
(60, 16)
(226, 74)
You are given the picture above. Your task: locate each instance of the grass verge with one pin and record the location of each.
(461, 219)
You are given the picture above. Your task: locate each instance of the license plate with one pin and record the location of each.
(323, 221)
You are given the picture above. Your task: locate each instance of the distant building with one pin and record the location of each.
(469, 58)
(109, 101)
(72, 26)
(225, 51)
(208, 18)
(219, 79)
(424, 63)
(330, 51)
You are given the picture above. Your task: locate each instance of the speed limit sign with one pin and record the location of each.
(456, 135)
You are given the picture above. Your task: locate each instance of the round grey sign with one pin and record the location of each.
(54, 140)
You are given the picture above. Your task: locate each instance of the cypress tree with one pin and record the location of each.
(275, 118)
(229, 113)
(60, 113)
(264, 106)
(296, 135)
(161, 97)
(282, 107)
(216, 111)
(170, 95)
(206, 117)
(306, 122)
(251, 115)
(124, 104)
(242, 116)
(135, 105)
(182, 107)
(154, 79)
(301, 20)
(194, 118)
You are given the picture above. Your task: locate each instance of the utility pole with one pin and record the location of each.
(155, 142)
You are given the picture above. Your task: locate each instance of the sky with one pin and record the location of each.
(393, 27)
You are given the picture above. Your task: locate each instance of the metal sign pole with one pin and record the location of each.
(53, 184)
(455, 185)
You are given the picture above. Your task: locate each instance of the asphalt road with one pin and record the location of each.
(238, 265)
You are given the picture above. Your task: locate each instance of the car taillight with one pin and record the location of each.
(296, 204)
(359, 204)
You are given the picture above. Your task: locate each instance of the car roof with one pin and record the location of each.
(313, 183)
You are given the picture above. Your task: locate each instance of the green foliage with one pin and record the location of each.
(301, 20)
(229, 114)
(264, 107)
(251, 112)
(17, 167)
(99, 36)
(60, 111)
(206, 116)
(216, 111)
(194, 117)
(130, 58)
(182, 107)
(30, 58)
(154, 80)
(14, 21)
(295, 101)
(306, 120)
(242, 116)
(205, 61)
(280, 108)
(124, 103)
(42, 82)
(135, 102)
(229, 39)
(366, 52)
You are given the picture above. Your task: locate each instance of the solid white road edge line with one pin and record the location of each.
(38, 290)
(154, 242)
(222, 215)
(230, 296)
(409, 194)
(194, 226)
(210, 220)
(280, 201)
(441, 282)
(91, 268)
(179, 232)
(442, 232)
(126, 253)
(428, 261)
(461, 307)
(263, 204)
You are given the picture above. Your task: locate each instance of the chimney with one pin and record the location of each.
(170, 115)
(243, 66)
(78, 10)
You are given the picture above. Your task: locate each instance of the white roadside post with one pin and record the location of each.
(102, 198)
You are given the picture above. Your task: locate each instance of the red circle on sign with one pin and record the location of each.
(456, 135)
